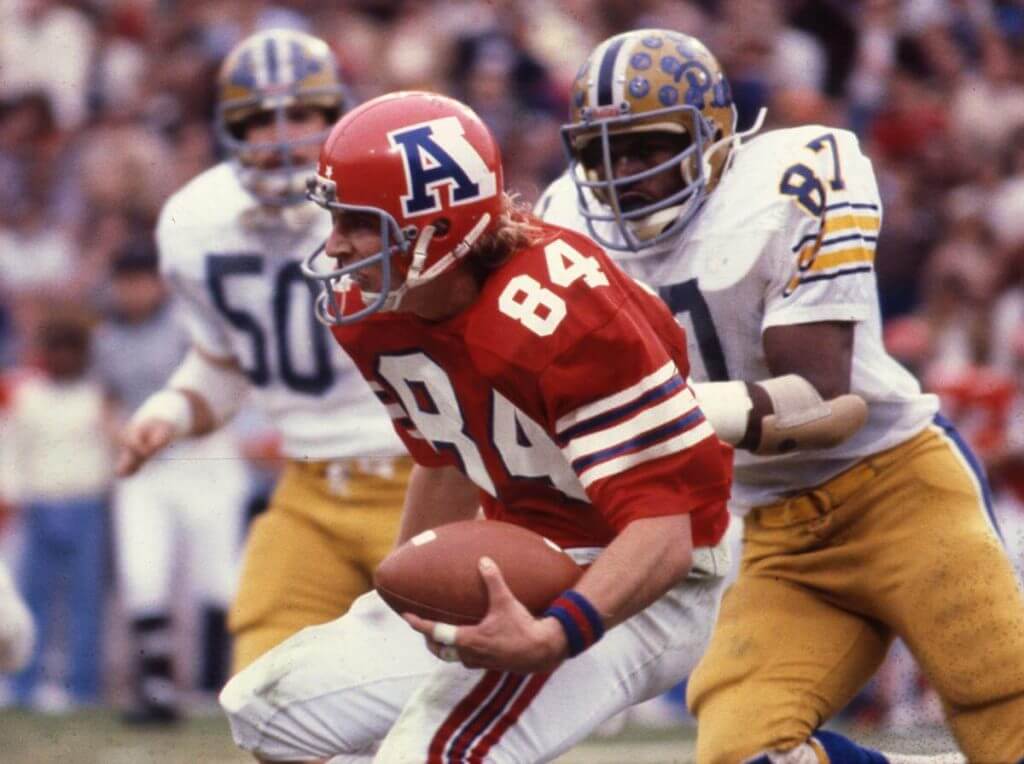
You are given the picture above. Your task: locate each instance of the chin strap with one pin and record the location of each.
(460, 251)
(416, 276)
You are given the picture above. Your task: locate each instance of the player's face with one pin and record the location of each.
(355, 236)
(65, 358)
(633, 153)
(300, 122)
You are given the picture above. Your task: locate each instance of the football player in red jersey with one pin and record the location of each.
(513, 354)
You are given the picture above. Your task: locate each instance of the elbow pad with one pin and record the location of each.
(800, 420)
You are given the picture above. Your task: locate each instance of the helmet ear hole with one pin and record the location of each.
(442, 227)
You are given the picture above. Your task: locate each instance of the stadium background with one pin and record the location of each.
(106, 108)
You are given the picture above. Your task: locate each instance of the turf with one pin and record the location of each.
(98, 737)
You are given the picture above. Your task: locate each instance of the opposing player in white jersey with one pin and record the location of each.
(764, 249)
(230, 245)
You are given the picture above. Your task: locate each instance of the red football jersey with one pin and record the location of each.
(560, 391)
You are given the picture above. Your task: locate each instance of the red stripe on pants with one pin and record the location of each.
(485, 717)
(458, 716)
(493, 735)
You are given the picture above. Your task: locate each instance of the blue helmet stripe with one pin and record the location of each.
(243, 74)
(270, 50)
(604, 77)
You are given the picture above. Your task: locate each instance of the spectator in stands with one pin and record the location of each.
(56, 454)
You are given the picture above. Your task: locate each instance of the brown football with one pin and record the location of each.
(435, 574)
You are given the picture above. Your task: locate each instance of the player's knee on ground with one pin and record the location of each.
(308, 698)
(265, 708)
(734, 738)
(805, 753)
(740, 751)
(250, 714)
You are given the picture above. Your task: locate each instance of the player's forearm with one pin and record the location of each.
(648, 558)
(828, 367)
(202, 395)
(779, 414)
(214, 387)
(806, 404)
(435, 496)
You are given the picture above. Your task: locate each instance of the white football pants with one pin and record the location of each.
(176, 506)
(342, 687)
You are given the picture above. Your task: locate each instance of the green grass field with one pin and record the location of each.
(97, 737)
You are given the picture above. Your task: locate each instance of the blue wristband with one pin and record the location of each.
(579, 619)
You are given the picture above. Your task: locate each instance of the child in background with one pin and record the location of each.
(57, 462)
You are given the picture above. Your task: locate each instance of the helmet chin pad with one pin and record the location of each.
(648, 228)
(281, 186)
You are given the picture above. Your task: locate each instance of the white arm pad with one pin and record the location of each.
(801, 420)
(726, 405)
(224, 388)
(169, 406)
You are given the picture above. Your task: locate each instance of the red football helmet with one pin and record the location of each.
(429, 169)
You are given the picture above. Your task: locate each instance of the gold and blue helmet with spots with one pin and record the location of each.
(262, 78)
(647, 80)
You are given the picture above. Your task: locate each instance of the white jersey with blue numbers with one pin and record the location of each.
(235, 267)
(787, 237)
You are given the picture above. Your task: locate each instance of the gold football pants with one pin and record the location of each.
(898, 545)
(315, 548)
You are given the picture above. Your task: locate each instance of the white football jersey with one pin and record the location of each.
(787, 237)
(235, 266)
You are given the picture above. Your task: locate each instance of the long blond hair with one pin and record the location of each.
(517, 228)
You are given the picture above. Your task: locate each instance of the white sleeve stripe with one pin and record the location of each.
(622, 463)
(612, 401)
(677, 406)
(668, 430)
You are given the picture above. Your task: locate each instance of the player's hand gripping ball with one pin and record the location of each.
(436, 576)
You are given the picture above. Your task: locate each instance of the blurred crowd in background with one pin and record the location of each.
(106, 108)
